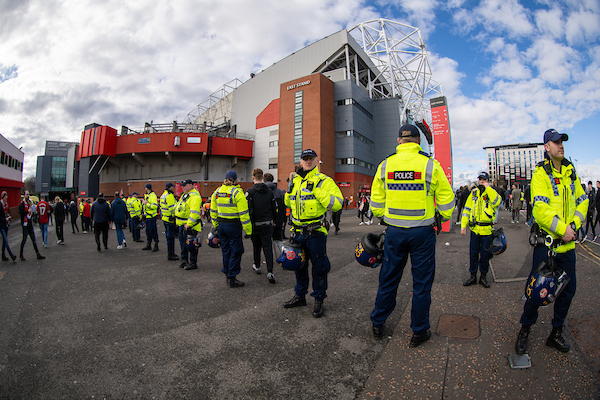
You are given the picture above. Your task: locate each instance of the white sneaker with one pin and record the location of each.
(256, 269)
(362, 223)
(45, 245)
(124, 243)
(119, 247)
(584, 239)
(84, 231)
(271, 277)
(512, 222)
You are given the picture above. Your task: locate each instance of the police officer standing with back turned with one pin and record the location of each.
(150, 214)
(310, 195)
(559, 208)
(479, 214)
(167, 211)
(405, 190)
(193, 225)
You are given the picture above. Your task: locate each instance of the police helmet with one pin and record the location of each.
(369, 251)
(545, 284)
(291, 256)
(213, 240)
(498, 242)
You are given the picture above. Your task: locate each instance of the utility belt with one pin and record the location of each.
(262, 223)
(538, 236)
(475, 223)
(228, 220)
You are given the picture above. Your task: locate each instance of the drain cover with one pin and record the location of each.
(458, 326)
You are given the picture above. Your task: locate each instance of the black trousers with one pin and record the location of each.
(28, 231)
(101, 227)
(261, 240)
(74, 224)
(59, 230)
(590, 221)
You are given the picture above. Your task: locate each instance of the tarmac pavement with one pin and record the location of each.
(128, 324)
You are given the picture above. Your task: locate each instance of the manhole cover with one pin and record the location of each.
(458, 326)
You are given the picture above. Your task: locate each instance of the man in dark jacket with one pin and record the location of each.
(100, 214)
(26, 210)
(263, 210)
(4, 229)
(591, 194)
(118, 212)
(278, 233)
(59, 216)
(74, 213)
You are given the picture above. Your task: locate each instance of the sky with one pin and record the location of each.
(509, 69)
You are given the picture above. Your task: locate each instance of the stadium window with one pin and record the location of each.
(272, 166)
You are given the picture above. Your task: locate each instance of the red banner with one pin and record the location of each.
(441, 140)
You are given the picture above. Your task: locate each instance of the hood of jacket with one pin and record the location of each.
(261, 187)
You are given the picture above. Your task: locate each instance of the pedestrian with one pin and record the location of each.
(59, 216)
(183, 209)
(517, 203)
(462, 200)
(73, 212)
(192, 226)
(167, 209)
(279, 195)
(43, 209)
(100, 215)
(87, 216)
(407, 189)
(336, 217)
(135, 212)
(591, 194)
(150, 212)
(263, 211)
(479, 215)
(310, 195)
(4, 224)
(118, 211)
(528, 205)
(559, 206)
(229, 214)
(26, 211)
(508, 198)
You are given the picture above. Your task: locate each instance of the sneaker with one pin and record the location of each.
(124, 243)
(584, 239)
(45, 245)
(40, 257)
(271, 277)
(512, 222)
(362, 223)
(84, 231)
(58, 242)
(595, 237)
(119, 247)
(256, 269)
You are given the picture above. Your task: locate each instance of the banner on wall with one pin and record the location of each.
(442, 141)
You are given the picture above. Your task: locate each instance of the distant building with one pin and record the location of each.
(11, 172)
(513, 163)
(56, 170)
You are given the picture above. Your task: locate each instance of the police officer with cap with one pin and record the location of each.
(150, 214)
(167, 211)
(479, 214)
(559, 207)
(193, 225)
(310, 195)
(405, 190)
(182, 214)
(134, 206)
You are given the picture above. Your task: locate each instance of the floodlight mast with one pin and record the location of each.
(398, 51)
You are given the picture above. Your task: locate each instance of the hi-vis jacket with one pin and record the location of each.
(310, 198)
(187, 210)
(480, 211)
(558, 199)
(227, 204)
(151, 206)
(134, 206)
(167, 206)
(407, 187)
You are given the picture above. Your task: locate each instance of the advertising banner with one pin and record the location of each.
(441, 140)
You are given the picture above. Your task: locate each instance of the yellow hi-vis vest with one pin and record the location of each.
(134, 206)
(228, 202)
(194, 204)
(558, 199)
(311, 197)
(167, 205)
(480, 211)
(151, 206)
(407, 186)
(182, 209)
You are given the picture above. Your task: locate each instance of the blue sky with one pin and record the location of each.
(509, 69)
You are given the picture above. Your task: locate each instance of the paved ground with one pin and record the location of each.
(127, 324)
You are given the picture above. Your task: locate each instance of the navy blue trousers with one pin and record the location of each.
(232, 247)
(170, 229)
(315, 247)
(399, 243)
(565, 261)
(182, 243)
(479, 256)
(151, 230)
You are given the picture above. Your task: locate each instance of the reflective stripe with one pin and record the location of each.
(407, 213)
(467, 209)
(195, 212)
(331, 201)
(320, 183)
(543, 199)
(383, 169)
(553, 183)
(307, 197)
(581, 199)
(554, 224)
(244, 212)
(246, 222)
(292, 197)
(408, 223)
(405, 186)
(497, 202)
(445, 207)
(226, 205)
(229, 214)
(429, 174)
(377, 205)
(580, 215)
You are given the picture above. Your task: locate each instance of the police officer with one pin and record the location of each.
(310, 195)
(479, 214)
(229, 214)
(182, 213)
(193, 224)
(167, 211)
(134, 205)
(150, 215)
(559, 207)
(405, 190)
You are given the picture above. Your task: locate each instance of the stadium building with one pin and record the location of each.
(11, 173)
(345, 96)
(513, 163)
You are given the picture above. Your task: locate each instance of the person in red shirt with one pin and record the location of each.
(85, 218)
(43, 209)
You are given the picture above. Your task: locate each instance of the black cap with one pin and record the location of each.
(148, 186)
(100, 194)
(187, 182)
(168, 185)
(414, 132)
(483, 175)
(308, 153)
(134, 193)
(554, 135)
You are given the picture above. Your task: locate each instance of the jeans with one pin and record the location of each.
(232, 247)
(479, 255)
(315, 247)
(4, 232)
(399, 243)
(44, 229)
(120, 233)
(261, 239)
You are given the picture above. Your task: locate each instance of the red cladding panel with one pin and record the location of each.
(269, 116)
(161, 142)
(232, 147)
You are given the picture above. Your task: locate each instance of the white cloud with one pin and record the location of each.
(550, 22)
(555, 62)
(583, 26)
(505, 15)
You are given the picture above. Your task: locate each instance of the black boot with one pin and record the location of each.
(155, 247)
(521, 344)
(557, 340)
(378, 331)
(295, 301)
(148, 247)
(318, 310)
(471, 281)
(233, 282)
(419, 339)
(483, 281)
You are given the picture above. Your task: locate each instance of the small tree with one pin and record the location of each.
(29, 183)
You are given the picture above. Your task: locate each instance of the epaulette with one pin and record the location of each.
(423, 153)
